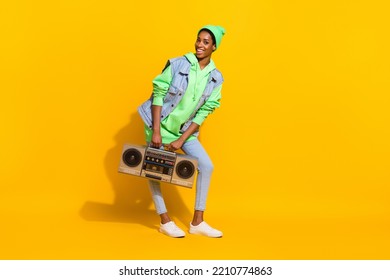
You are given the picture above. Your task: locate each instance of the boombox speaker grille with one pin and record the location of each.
(132, 157)
(185, 169)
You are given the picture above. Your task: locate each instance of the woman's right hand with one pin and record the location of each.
(156, 140)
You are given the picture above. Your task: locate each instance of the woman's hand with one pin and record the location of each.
(156, 141)
(175, 145)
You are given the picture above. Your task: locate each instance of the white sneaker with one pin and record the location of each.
(204, 229)
(171, 229)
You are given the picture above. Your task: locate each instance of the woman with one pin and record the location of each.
(184, 94)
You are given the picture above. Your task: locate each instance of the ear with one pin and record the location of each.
(214, 47)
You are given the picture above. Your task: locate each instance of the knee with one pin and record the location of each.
(205, 166)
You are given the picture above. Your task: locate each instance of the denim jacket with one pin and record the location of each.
(180, 67)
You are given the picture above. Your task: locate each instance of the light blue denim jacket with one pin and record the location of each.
(180, 67)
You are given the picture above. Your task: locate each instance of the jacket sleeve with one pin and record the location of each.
(161, 85)
(209, 106)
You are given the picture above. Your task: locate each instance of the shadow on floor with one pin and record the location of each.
(132, 202)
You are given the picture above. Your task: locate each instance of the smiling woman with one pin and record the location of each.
(194, 86)
(204, 46)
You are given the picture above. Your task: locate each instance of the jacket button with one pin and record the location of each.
(162, 116)
(172, 105)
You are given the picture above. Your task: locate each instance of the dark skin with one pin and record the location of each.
(204, 47)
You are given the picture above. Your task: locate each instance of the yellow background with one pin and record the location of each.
(300, 143)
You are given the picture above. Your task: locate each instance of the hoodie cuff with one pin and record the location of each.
(198, 120)
(158, 101)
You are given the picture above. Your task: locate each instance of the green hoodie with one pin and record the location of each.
(197, 81)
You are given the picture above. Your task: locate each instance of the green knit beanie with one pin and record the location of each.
(218, 32)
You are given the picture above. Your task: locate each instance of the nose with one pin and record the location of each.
(199, 44)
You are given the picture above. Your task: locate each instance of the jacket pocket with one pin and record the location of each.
(173, 92)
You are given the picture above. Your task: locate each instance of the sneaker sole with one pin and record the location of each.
(201, 234)
(163, 232)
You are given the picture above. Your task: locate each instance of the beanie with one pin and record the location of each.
(218, 32)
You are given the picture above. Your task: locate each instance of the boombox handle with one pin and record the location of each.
(165, 146)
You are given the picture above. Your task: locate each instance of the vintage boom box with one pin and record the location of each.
(159, 165)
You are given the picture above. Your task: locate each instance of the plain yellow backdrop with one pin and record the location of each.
(300, 144)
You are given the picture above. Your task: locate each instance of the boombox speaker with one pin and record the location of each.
(159, 165)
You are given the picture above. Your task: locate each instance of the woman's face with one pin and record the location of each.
(204, 45)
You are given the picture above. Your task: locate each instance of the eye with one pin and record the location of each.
(206, 42)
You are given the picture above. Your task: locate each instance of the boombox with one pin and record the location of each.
(159, 165)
